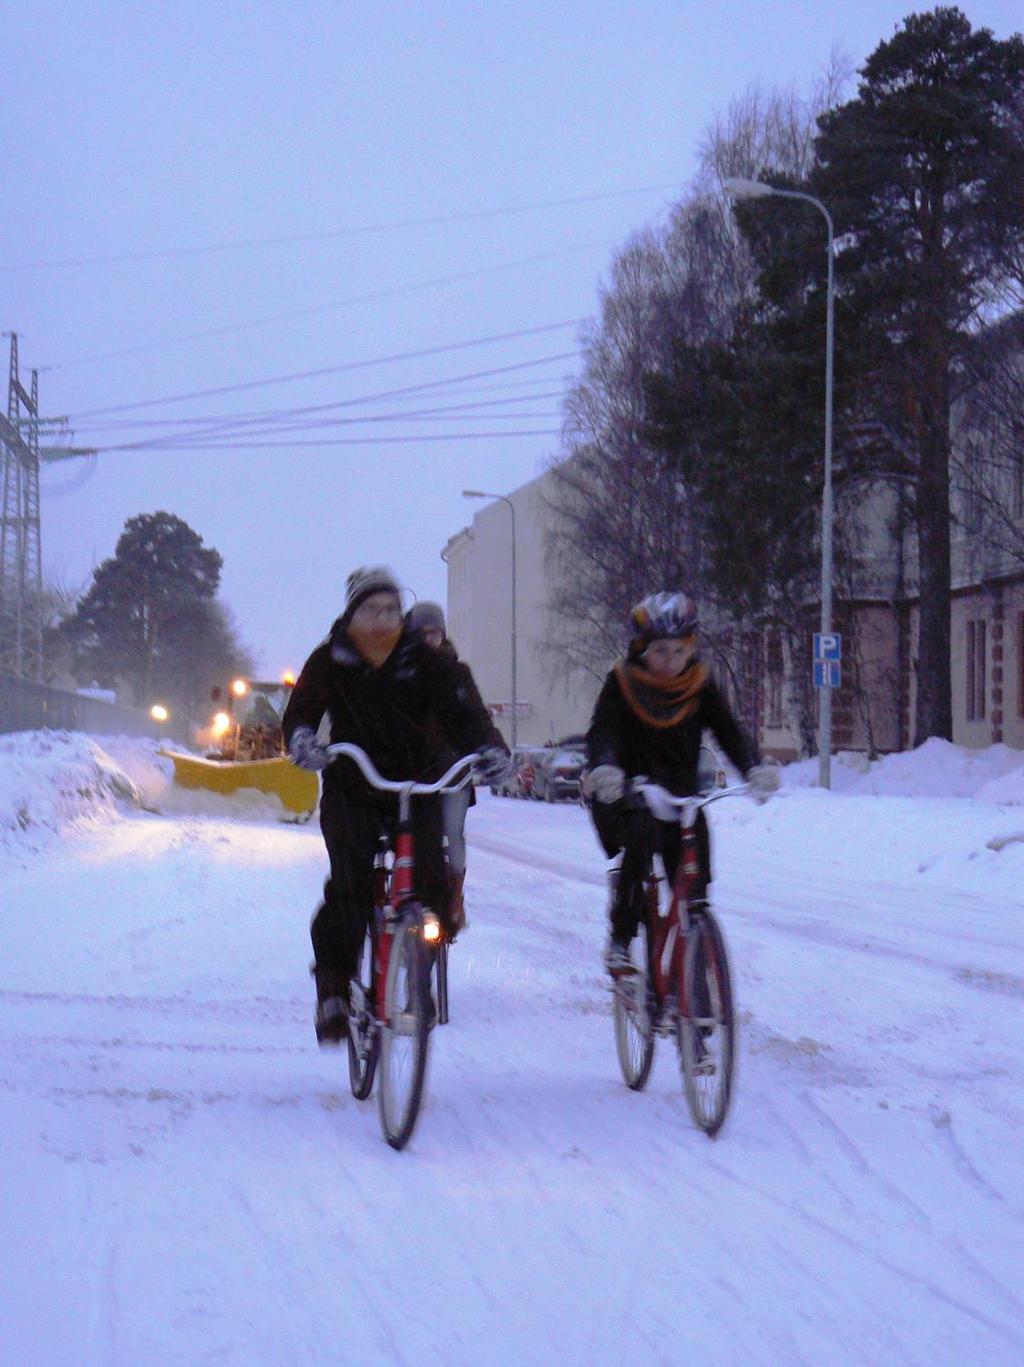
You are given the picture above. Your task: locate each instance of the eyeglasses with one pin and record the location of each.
(371, 612)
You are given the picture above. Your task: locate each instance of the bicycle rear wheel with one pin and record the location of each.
(363, 1033)
(707, 1026)
(405, 1033)
(634, 1036)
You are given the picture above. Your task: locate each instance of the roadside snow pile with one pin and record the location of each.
(146, 764)
(934, 769)
(53, 780)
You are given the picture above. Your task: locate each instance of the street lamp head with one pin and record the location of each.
(736, 187)
(474, 493)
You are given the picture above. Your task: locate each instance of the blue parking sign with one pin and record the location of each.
(828, 645)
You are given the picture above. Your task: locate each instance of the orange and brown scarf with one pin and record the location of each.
(661, 703)
(373, 644)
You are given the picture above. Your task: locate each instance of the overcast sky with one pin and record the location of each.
(151, 149)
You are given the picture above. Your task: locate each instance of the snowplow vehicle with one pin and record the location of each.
(243, 748)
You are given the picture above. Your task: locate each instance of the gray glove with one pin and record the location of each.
(763, 780)
(306, 751)
(606, 783)
(493, 766)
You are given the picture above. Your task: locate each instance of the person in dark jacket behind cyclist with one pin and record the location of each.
(384, 689)
(428, 620)
(649, 720)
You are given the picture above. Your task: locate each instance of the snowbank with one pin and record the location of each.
(934, 769)
(51, 781)
(54, 781)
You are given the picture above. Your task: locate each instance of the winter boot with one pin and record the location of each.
(617, 958)
(331, 1018)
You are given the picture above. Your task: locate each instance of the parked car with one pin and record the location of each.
(558, 776)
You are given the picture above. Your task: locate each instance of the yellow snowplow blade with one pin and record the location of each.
(297, 788)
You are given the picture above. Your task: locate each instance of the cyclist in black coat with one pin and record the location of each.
(384, 689)
(649, 720)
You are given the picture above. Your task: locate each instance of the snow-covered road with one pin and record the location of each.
(186, 1179)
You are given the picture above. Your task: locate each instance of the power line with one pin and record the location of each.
(225, 428)
(202, 440)
(128, 424)
(245, 244)
(311, 310)
(327, 370)
(337, 441)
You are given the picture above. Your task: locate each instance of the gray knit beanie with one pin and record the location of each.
(366, 580)
(427, 617)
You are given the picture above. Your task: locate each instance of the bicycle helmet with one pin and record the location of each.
(664, 616)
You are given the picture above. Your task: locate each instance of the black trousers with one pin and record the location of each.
(640, 836)
(352, 824)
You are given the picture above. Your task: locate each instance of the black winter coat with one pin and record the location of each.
(468, 690)
(667, 756)
(407, 715)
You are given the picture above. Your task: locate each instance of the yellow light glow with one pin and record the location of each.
(221, 724)
(158, 712)
(239, 687)
(431, 929)
(288, 677)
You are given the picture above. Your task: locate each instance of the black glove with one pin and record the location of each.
(493, 766)
(306, 751)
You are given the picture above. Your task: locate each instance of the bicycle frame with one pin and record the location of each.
(667, 930)
(394, 886)
(685, 989)
(390, 1014)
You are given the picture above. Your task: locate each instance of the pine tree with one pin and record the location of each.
(924, 175)
(160, 575)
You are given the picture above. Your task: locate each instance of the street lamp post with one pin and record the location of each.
(479, 493)
(738, 188)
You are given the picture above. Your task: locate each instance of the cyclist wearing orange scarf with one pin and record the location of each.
(649, 720)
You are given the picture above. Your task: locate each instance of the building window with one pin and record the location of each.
(774, 675)
(975, 670)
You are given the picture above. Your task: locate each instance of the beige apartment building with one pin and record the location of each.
(874, 709)
(479, 560)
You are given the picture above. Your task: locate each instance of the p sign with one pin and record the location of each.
(828, 645)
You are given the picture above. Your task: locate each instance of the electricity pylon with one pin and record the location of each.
(21, 573)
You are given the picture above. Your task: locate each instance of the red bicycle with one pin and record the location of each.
(683, 987)
(391, 1011)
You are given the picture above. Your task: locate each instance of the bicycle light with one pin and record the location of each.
(431, 928)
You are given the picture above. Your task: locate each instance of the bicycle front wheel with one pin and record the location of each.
(634, 1036)
(363, 1034)
(707, 1026)
(405, 1033)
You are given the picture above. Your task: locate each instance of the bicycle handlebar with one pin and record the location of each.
(444, 784)
(664, 805)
